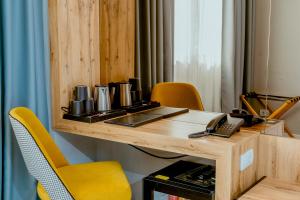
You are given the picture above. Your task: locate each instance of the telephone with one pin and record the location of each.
(221, 126)
(249, 119)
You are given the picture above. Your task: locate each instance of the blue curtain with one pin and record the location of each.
(24, 81)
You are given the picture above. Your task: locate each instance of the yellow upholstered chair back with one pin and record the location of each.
(42, 157)
(181, 95)
(38, 131)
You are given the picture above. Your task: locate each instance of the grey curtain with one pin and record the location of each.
(154, 42)
(249, 46)
(237, 47)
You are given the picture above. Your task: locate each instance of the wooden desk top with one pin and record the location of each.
(169, 134)
(272, 189)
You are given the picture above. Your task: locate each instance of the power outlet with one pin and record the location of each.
(246, 159)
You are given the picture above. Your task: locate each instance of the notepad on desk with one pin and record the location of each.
(148, 116)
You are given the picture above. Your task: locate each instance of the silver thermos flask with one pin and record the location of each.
(102, 99)
(125, 95)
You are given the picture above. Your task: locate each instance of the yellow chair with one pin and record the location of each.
(181, 95)
(57, 179)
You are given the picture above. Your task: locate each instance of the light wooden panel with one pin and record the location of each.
(82, 37)
(275, 129)
(74, 43)
(242, 180)
(279, 157)
(117, 24)
(273, 189)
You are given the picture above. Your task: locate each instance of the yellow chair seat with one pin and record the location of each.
(87, 181)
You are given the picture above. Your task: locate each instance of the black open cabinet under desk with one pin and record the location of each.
(173, 180)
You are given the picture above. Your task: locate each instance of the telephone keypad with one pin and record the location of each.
(226, 127)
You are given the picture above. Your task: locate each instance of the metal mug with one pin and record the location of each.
(136, 91)
(80, 92)
(125, 95)
(77, 107)
(89, 106)
(102, 99)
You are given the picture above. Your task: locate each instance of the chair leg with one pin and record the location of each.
(288, 131)
(147, 191)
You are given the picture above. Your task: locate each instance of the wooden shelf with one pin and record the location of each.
(273, 189)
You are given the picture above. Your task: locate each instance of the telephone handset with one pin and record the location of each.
(221, 126)
(214, 124)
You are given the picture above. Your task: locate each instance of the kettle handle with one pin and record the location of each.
(95, 94)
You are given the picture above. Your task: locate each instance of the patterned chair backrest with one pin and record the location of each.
(37, 159)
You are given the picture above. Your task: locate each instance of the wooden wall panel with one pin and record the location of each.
(74, 44)
(279, 157)
(117, 24)
(242, 180)
(82, 37)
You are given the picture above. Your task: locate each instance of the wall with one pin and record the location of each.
(284, 70)
(117, 40)
(75, 148)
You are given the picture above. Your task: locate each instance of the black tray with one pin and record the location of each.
(141, 106)
(134, 120)
(165, 111)
(100, 116)
(147, 116)
(174, 180)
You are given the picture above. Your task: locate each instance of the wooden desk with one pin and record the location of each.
(172, 135)
(273, 189)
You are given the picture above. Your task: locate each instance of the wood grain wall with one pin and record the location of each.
(91, 41)
(74, 47)
(117, 24)
(279, 157)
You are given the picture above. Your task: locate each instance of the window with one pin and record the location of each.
(197, 48)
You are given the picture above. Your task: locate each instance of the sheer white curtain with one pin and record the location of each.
(197, 48)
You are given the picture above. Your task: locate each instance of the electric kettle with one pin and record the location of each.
(102, 99)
